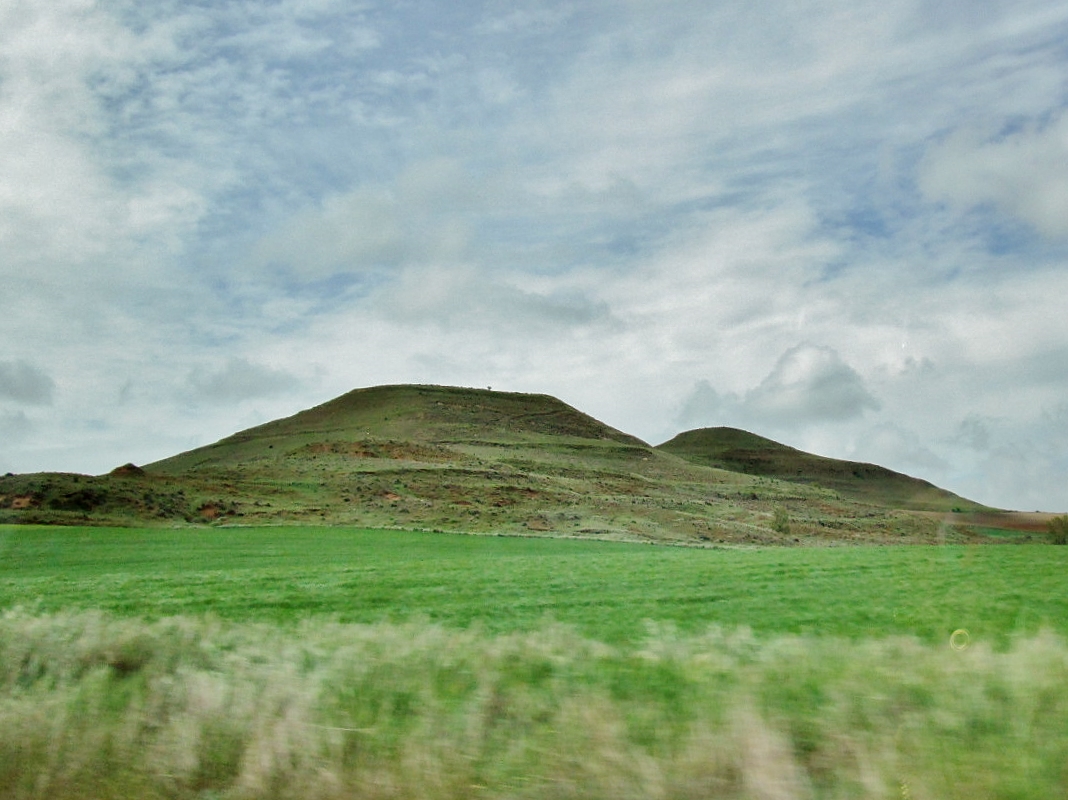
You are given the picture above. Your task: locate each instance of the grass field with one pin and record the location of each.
(605, 590)
(334, 663)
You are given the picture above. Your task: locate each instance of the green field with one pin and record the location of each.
(606, 590)
(335, 663)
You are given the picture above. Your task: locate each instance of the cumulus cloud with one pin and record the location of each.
(808, 384)
(24, 383)
(896, 446)
(492, 304)
(421, 216)
(1012, 462)
(1023, 173)
(14, 427)
(705, 407)
(811, 383)
(240, 379)
(525, 19)
(974, 432)
(1055, 424)
(70, 195)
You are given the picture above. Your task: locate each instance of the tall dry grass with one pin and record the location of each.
(93, 706)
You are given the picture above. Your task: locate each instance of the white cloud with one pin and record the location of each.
(1015, 462)
(24, 383)
(811, 383)
(808, 384)
(494, 304)
(889, 443)
(14, 427)
(525, 20)
(423, 216)
(55, 200)
(974, 432)
(1023, 173)
(240, 379)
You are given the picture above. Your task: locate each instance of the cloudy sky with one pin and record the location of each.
(840, 224)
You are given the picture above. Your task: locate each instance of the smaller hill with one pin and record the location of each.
(741, 451)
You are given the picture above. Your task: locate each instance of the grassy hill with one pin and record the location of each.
(478, 461)
(741, 451)
(413, 423)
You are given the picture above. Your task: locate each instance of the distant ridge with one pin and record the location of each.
(740, 451)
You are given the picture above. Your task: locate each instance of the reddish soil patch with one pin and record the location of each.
(401, 451)
(210, 511)
(1030, 521)
(21, 502)
(1026, 521)
(128, 471)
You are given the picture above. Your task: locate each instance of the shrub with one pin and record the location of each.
(781, 521)
(1058, 529)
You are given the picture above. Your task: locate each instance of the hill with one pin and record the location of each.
(374, 422)
(741, 451)
(478, 461)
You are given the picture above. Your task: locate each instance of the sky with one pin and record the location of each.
(841, 225)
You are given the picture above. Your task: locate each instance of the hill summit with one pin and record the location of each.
(428, 415)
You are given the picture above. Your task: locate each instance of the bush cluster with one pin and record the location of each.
(1058, 529)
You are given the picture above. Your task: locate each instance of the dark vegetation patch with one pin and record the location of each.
(401, 451)
(61, 498)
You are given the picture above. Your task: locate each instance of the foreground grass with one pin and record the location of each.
(92, 705)
(605, 590)
(328, 663)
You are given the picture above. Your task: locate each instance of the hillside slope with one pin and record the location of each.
(741, 451)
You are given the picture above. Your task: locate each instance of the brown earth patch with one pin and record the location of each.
(128, 471)
(1026, 521)
(218, 508)
(401, 451)
(210, 511)
(22, 501)
(1030, 521)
